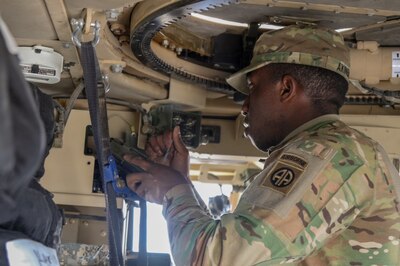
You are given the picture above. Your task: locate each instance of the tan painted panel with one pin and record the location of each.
(68, 170)
(385, 121)
(28, 19)
(69, 173)
(231, 143)
(185, 95)
(92, 232)
(325, 7)
(75, 7)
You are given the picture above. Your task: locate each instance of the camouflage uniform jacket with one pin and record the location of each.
(328, 195)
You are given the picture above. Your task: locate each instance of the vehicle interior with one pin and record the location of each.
(164, 63)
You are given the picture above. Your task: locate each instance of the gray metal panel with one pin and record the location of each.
(388, 36)
(246, 13)
(374, 4)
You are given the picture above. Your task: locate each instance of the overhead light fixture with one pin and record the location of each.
(220, 21)
(344, 29)
(266, 26)
(263, 26)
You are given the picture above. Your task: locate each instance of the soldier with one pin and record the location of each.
(328, 195)
(30, 222)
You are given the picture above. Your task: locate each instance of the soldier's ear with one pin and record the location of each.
(289, 88)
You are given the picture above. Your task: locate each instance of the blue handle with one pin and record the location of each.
(116, 172)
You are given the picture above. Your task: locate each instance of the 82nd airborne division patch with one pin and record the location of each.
(285, 173)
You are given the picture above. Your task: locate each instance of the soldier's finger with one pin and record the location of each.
(141, 191)
(161, 144)
(144, 164)
(151, 152)
(134, 181)
(153, 142)
(168, 140)
(178, 142)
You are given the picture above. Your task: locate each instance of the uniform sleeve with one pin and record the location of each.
(272, 225)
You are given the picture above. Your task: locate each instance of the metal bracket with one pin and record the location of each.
(106, 82)
(77, 26)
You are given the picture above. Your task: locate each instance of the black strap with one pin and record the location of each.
(142, 257)
(98, 115)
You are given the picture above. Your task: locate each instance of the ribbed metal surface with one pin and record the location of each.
(142, 35)
(364, 100)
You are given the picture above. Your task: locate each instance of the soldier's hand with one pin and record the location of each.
(169, 150)
(155, 182)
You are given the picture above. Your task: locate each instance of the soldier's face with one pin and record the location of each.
(262, 110)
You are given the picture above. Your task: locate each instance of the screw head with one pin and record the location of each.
(165, 43)
(120, 183)
(112, 14)
(116, 68)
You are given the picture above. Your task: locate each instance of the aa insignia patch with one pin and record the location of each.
(285, 173)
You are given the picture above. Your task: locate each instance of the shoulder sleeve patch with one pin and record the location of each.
(287, 177)
(285, 173)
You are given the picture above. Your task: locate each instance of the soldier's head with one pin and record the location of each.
(296, 74)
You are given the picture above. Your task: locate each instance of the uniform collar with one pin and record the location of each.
(308, 125)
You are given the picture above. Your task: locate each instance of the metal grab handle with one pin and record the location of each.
(77, 25)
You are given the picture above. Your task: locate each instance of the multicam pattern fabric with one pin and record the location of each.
(328, 195)
(81, 254)
(304, 45)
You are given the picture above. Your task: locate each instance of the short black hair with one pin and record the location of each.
(326, 89)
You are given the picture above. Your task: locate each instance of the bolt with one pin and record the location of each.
(118, 29)
(103, 233)
(66, 45)
(106, 82)
(116, 68)
(112, 14)
(204, 140)
(179, 50)
(77, 23)
(276, 20)
(85, 223)
(74, 22)
(190, 123)
(147, 129)
(165, 43)
(188, 136)
(120, 183)
(123, 39)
